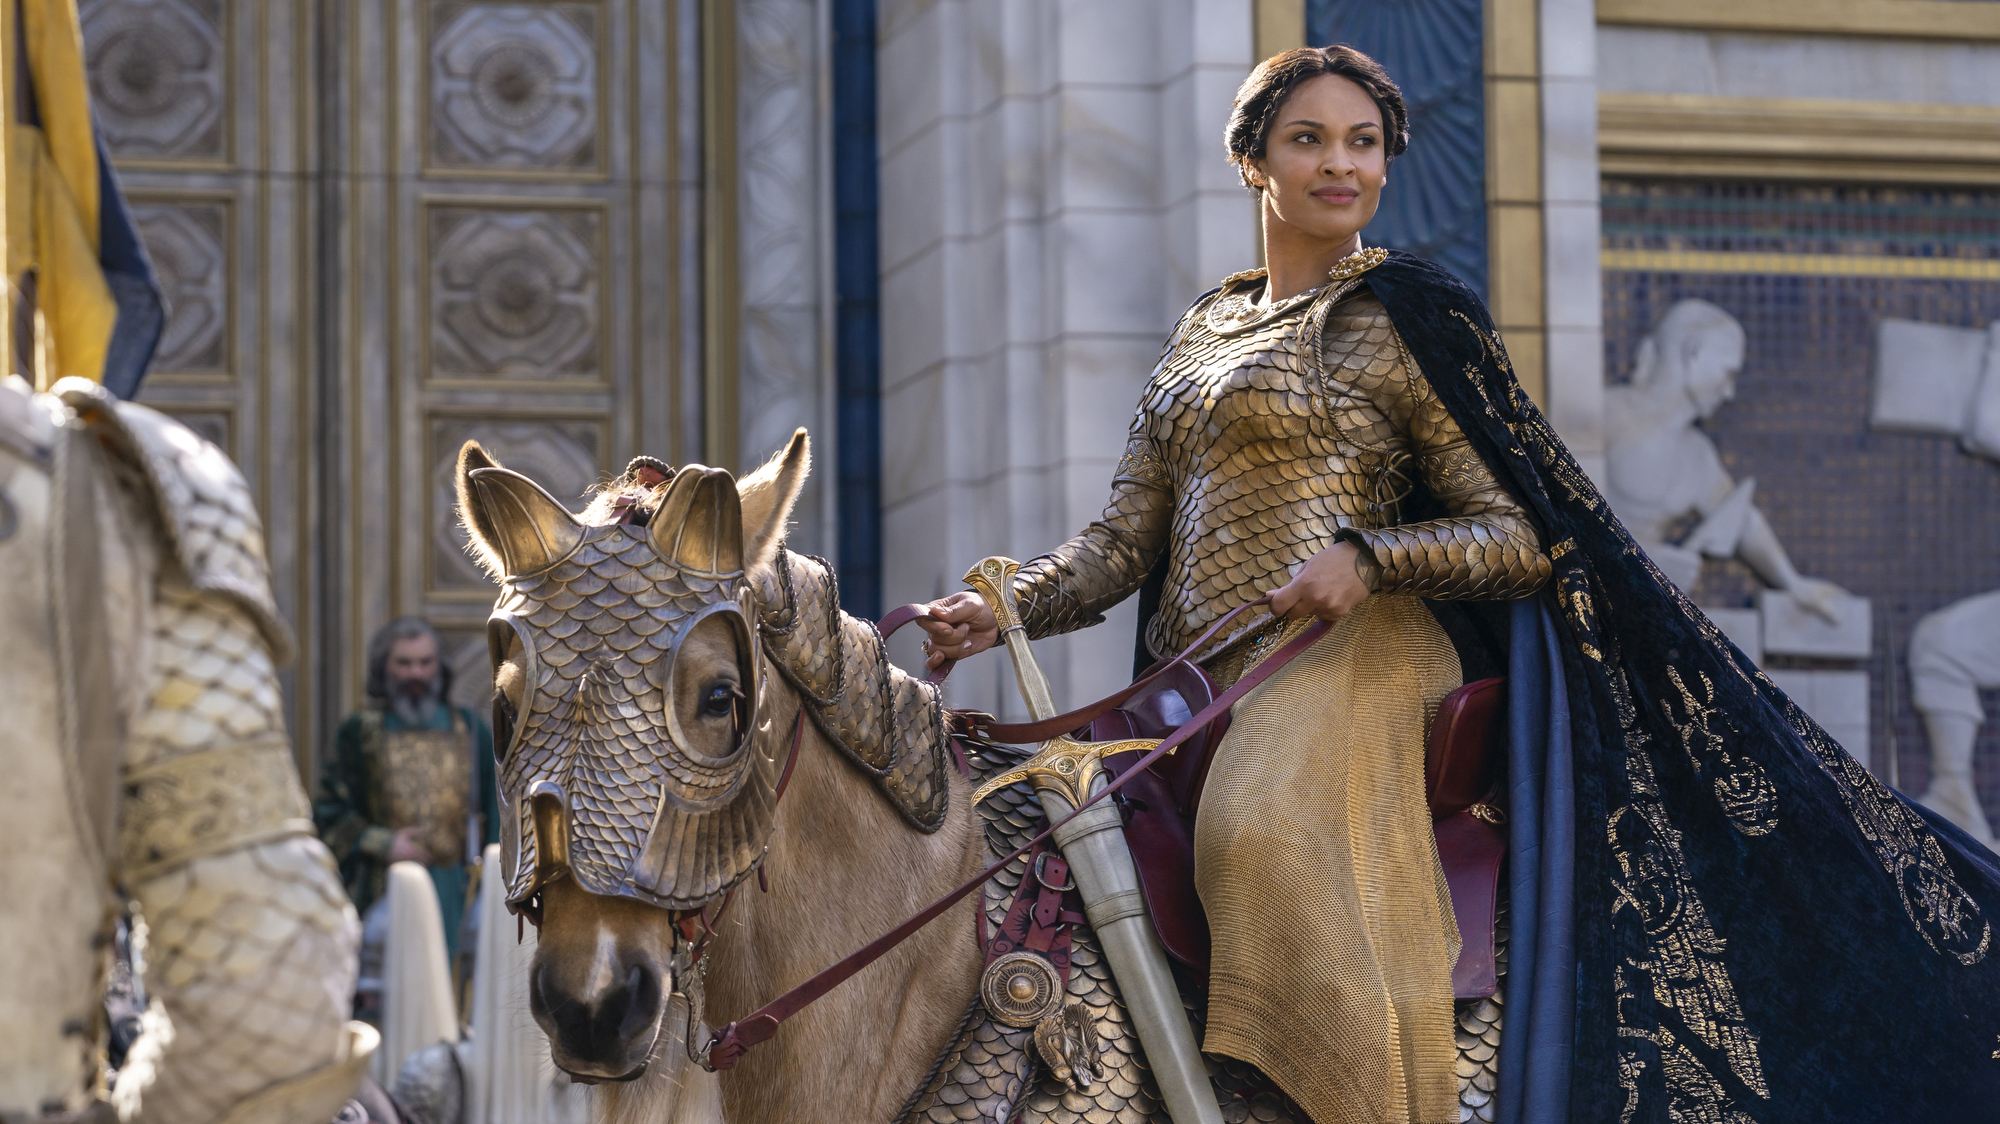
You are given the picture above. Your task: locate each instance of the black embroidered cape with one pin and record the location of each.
(1719, 915)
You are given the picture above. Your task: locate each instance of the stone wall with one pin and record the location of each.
(1053, 195)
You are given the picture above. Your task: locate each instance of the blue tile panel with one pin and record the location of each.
(1435, 205)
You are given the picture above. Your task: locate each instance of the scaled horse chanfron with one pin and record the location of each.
(653, 660)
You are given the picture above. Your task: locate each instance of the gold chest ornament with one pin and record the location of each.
(427, 784)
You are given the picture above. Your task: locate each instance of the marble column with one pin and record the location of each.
(785, 373)
(1573, 285)
(1054, 194)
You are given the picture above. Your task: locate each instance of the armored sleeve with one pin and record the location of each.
(1485, 548)
(1071, 586)
(251, 943)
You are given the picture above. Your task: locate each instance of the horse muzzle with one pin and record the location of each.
(604, 1027)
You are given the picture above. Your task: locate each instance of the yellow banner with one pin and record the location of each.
(51, 189)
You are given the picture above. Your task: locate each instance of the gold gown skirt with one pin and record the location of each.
(1332, 925)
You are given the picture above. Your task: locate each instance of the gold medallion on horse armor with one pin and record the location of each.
(1021, 989)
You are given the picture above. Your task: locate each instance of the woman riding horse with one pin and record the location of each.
(1275, 448)
(1342, 430)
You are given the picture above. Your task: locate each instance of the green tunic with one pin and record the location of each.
(356, 804)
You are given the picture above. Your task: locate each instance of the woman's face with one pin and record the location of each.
(1324, 160)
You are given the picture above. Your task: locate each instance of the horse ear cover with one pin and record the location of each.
(699, 524)
(515, 527)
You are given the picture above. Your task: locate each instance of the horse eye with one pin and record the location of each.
(720, 702)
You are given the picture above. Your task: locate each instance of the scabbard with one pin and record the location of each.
(1107, 879)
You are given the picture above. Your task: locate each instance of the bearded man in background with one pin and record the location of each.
(411, 777)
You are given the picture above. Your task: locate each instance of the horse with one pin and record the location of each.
(665, 670)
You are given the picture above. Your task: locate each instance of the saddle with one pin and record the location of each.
(1461, 767)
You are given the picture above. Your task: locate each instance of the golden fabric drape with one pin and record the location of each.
(1333, 931)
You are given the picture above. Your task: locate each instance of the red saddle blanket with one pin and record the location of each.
(1461, 764)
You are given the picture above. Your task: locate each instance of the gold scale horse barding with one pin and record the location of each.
(596, 689)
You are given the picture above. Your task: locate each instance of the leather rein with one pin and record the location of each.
(762, 1024)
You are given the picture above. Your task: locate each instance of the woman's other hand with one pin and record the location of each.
(959, 626)
(1328, 586)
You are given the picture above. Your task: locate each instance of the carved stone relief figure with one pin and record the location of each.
(1666, 479)
(1954, 653)
(1944, 380)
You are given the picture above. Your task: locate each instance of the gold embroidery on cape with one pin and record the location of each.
(1573, 596)
(1940, 909)
(1741, 785)
(427, 782)
(1683, 964)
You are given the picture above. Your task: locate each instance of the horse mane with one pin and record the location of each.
(886, 721)
(630, 497)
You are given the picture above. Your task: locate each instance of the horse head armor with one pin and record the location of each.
(598, 779)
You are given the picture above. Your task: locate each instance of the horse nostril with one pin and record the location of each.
(642, 1002)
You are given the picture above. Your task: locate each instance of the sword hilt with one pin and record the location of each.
(1064, 773)
(993, 580)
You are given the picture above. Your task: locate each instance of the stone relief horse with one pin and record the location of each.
(654, 657)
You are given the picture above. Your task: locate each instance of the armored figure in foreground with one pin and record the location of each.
(149, 768)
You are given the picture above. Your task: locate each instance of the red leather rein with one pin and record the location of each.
(762, 1024)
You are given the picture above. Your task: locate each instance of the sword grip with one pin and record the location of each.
(993, 580)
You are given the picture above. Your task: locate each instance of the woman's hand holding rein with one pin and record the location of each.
(961, 625)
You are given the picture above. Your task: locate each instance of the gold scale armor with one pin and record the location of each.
(250, 955)
(1253, 450)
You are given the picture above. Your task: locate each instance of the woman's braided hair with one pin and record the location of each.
(1264, 92)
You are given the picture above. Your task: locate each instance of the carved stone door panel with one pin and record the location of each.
(386, 226)
(507, 224)
(200, 104)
